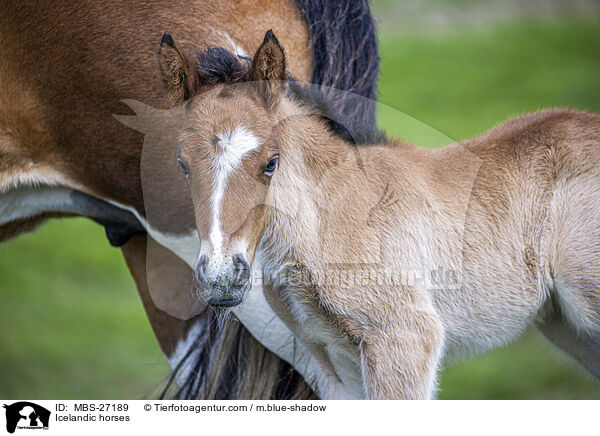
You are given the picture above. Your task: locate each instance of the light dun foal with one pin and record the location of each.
(512, 217)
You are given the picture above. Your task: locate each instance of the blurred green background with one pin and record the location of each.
(72, 325)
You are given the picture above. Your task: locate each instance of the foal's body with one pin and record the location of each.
(352, 238)
(525, 245)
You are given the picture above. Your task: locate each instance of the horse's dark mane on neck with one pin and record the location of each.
(325, 102)
(217, 66)
(345, 58)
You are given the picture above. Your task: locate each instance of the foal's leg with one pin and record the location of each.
(584, 347)
(400, 358)
(572, 244)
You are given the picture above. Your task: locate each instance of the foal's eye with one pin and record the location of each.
(272, 165)
(183, 167)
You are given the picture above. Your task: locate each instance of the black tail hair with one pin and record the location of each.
(345, 57)
(224, 362)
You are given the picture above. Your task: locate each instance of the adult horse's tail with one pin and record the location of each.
(345, 58)
(225, 361)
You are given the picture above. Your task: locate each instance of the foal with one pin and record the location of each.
(385, 259)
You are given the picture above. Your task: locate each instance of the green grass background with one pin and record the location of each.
(72, 325)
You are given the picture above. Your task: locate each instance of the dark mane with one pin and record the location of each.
(345, 58)
(213, 366)
(343, 109)
(218, 66)
(325, 102)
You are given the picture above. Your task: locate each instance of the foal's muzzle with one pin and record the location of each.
(224, 284)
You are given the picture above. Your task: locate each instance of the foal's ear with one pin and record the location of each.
(177, 71)
(269, 60)
(269, 65)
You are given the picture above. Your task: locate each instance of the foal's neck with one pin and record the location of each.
(332, 201)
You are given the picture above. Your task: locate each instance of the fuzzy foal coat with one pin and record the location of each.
(512, 215)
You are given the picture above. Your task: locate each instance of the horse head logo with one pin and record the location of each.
(26, 415)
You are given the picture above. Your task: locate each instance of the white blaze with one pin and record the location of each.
(230, 149)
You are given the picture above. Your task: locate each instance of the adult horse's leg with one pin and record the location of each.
(169, 331)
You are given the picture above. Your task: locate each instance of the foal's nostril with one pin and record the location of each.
(201, 270)
(241, 270)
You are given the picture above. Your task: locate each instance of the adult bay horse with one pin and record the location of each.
(64, 67)
(512, 214)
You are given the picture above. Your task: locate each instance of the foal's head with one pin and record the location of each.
(229, 152)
